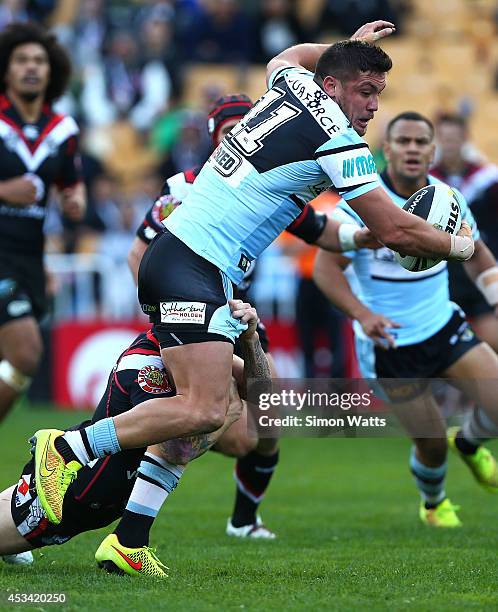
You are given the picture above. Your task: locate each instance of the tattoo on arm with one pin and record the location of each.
(181, 451)
(255, 363)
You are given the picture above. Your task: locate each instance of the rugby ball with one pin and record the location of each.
(439, 205)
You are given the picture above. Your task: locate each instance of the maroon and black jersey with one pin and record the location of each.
(47, 149)
(100, 493)
(137, 376)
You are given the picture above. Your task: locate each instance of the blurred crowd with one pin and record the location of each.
(127, 91)
(130, 60)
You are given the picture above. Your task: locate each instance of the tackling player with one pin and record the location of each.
(407, 327)
(38, 149)
(301, 137)
(106, 486)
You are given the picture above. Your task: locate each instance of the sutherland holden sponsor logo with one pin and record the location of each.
(358, 166)
(183, 312)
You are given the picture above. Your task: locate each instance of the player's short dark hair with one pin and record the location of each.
(346, 59)
(452, 119)
(409, 116)
(17, 34)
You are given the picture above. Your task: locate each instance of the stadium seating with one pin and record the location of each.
(446, 61)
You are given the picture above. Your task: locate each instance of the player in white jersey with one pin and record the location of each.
(406, 327)
(302, 136)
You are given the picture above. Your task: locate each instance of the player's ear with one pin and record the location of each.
(432, 153)
(387, 149)
(329, 85)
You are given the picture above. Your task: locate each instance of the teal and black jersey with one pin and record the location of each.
(418, 301)
(294, 143)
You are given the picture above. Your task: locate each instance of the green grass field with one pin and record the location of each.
(348, 537)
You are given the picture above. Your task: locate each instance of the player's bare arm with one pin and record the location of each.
(255, 362)
(306, 55)
(135, 254)
(483, 271)
(18, 191)
(255, 365)
(183, 450)
(73, 201)
(338, 237)
(329, 276)
(481, 260)
(407, 233)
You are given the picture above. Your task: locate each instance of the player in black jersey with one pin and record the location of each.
(101, 494)
(38, 150)
(256, 459)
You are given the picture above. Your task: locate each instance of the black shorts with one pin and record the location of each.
(464, 293)
(424, 360)
(22, 288)
(94, 500)
(184, 295)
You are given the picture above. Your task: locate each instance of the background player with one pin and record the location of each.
(253, 186)
(478, 182)
(256, 459)
(407, 327)
(104, 487)
(38, 150)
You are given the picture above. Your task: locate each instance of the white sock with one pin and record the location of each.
(75, 441)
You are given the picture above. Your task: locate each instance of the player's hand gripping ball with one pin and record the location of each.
(439, 205)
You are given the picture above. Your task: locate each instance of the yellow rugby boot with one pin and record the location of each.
(52, 475)
(443, 515)
(118, 559)
(482, 464)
